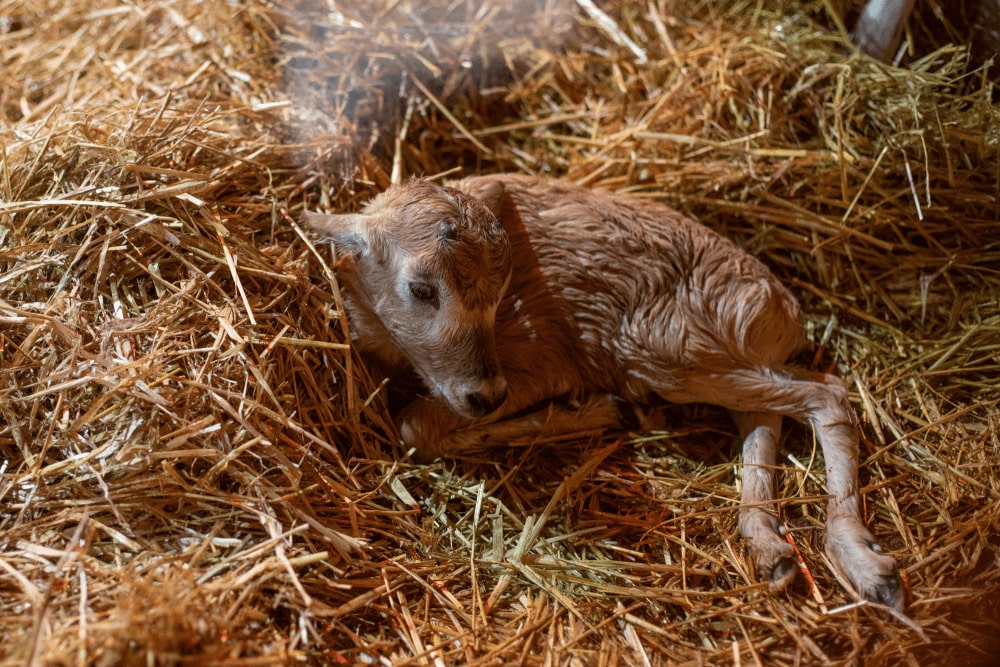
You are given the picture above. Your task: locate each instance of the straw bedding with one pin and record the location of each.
(196, 470)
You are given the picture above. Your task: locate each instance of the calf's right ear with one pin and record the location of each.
(348, 230)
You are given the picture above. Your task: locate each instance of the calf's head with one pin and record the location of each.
(430, 267)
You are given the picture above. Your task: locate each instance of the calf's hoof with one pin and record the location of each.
(874, 575)
(779, 572)
(424, 450)
(424, 426)
(432, 431)
(775, 561)
(773, 556)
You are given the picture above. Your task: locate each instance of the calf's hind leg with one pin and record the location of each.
(821, 401)
(773, 556)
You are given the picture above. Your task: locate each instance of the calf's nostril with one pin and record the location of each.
(484, 403)
(477, 402)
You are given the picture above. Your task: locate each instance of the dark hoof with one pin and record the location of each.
(889, 591)
(784, 572)
(780, 573)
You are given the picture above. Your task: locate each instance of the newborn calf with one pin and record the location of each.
(506, 293)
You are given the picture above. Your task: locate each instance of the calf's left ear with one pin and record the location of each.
(347, 230)
(492, 196)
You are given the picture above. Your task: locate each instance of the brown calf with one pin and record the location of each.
(506, 292)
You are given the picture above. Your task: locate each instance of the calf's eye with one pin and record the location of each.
(424, 292)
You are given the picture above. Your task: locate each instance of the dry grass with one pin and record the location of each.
(195, 470)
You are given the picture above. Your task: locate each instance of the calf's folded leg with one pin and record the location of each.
(434, 431)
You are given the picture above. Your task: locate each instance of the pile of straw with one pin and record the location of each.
(196, 470)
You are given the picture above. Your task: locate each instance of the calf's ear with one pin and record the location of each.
(348, 230)
(493, 196)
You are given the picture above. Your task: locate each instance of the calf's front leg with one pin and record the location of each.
(433, 430)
